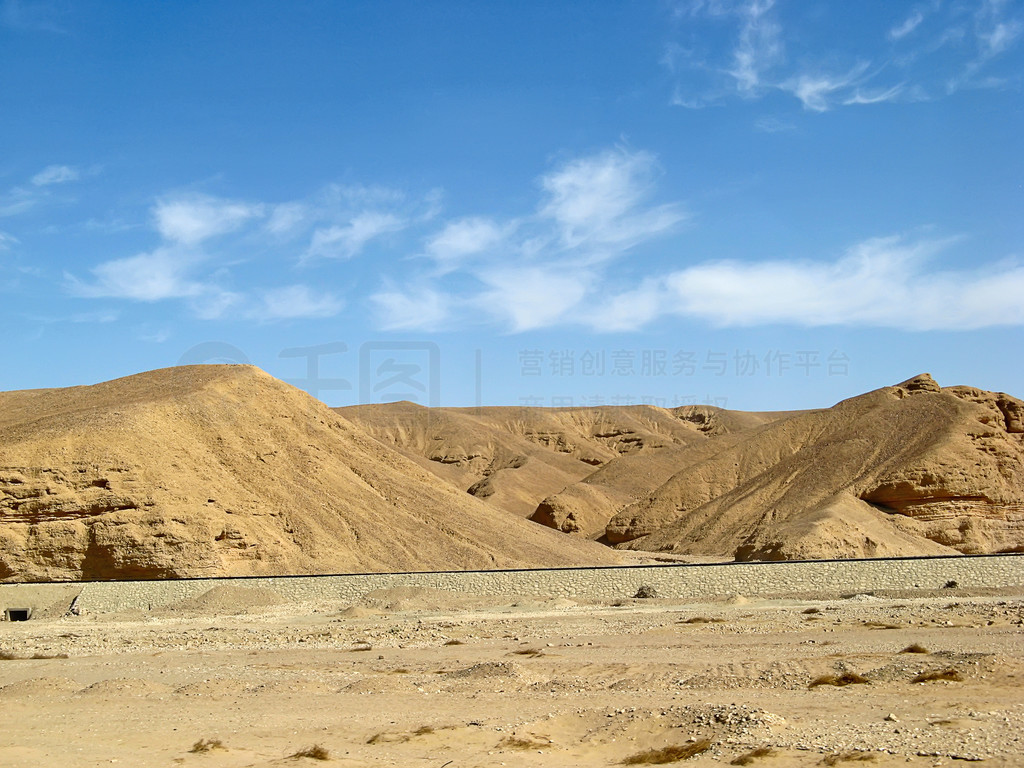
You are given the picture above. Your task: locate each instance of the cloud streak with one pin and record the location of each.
(931, 52)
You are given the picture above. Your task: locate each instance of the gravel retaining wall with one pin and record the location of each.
(671, 581)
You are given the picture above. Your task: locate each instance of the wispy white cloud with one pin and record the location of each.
(347, 240)
(935, 50)
(294, 302)
(56, 174)
(192, 218)
(815, 91)
(874, 96)
(7, 240)
(465, 237)
(415, 307)
(529, 297)
(533, 270)
(769, 124)
(160, 274)
(759, 46)
(907, 26)
(595, 200)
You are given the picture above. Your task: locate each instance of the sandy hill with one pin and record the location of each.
(907, 470)
(223, 470)
(515, 458)
(910, 469)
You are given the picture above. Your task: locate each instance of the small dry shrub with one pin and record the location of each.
(915, 648)
(669, 754)
(848, 757)
(316, 752)
(942, 674)
(454, 642)
(513, 742)
(812, 610)
(752, 755)
(207, 745)
(533, 652)
(847, 678)
(703, 620)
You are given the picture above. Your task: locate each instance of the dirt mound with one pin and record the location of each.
(40, 686)
(228, 599)
(226, 471)
(126, 686)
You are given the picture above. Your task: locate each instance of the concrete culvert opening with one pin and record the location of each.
(18, 614)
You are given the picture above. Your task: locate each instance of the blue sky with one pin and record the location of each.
(762, 205)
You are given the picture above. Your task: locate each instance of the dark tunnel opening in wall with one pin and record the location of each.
(18, 614)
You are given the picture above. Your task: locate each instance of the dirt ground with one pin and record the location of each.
(413, 677)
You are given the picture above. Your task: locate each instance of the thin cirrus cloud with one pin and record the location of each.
(933, 51)
(24, 197)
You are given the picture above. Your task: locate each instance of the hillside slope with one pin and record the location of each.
(906, 470)
(223, 470)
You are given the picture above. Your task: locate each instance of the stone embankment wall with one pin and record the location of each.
(670, 581)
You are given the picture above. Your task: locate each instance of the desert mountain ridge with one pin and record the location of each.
(911, 469)
(225, 471)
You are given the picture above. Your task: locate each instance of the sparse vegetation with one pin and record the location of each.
(703, 620)
(943, 674)
(748, 757)
(532, 652)
(513, 742)
(848, 757)
(207, 745)
(951, 584)
(811, 610)
(847, 678)
(669, 754)
(915, 648)
(316, 752)
(454, 641)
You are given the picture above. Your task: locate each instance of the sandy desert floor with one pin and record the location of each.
(412, 677)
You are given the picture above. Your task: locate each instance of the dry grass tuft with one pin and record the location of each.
(207, 745)
(669, 754)
(752, 755)
(943, 674)
(316, 752)
(812, 610)
(533, 652)
(454, 642)
(848, 757)
(513, 742)
(847, 678)
(915, 648)
(703, 620)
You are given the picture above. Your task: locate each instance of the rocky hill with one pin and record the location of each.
(223, 470)
(913, 469)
